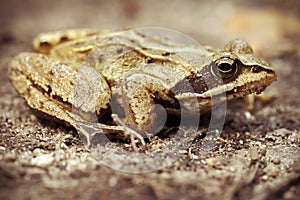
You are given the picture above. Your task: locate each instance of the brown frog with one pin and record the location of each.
(124, 74)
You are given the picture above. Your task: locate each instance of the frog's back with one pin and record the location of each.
(133, 52)
(115, 54)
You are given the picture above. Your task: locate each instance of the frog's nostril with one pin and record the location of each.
(255, 69)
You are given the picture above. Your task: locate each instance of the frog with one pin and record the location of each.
(130, 72)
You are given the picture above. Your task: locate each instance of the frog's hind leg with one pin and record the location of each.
(44, 42)
(49, 86)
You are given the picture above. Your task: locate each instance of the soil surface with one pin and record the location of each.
(254, 157)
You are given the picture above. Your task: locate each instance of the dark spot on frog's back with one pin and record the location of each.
(149, 60)
(63, 39)
(166, 54)
(120, 50)
(100, 58)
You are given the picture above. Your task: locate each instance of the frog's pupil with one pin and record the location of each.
(224, 67)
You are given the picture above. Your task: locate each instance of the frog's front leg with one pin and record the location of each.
(140, 92)
(49, 86)
(251, 99)
(44, 42)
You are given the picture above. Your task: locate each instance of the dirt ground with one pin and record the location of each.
(255, 157)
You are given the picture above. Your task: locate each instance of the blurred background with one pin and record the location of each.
(272, 27)
(263, 23)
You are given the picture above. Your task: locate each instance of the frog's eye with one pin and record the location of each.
(224, 68)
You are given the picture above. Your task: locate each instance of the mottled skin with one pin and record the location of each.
(81, 76)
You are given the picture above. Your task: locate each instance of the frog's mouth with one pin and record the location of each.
(255, 85)
(245, 90)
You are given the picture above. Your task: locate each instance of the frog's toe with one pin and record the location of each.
(128, 131)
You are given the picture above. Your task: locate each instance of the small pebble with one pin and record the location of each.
(113, 181)
(276, 161)
(264, 177)
(248, 115)
(182, 151)
(10, 157)
(254, 155)
(44, 160)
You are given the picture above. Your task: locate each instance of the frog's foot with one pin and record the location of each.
(132, 133)
(250, 101)
(90, 129)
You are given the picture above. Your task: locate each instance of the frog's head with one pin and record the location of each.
(242, 73)
(233, 70)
